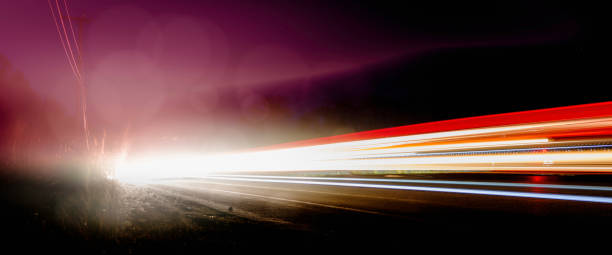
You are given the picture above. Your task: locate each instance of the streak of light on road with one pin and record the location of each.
(479, 183)
(579, 139)
(581, 198)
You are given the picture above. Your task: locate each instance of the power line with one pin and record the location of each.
(75, 63)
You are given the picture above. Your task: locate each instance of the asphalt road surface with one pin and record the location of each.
(282, 213)
(387, 209)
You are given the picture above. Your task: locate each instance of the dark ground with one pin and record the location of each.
(62, 214)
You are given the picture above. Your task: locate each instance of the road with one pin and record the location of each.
(426, 207)
(375, 213)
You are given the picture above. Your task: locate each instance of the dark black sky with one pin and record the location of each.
(533, 55)
(462, 59)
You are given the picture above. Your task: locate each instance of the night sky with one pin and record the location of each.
(219, 75)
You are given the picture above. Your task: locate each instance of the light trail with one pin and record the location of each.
(472, 183)
(462, 146)
(306, 159)
(467, 153)
(551, 115)
(571, 143)
(578, 198)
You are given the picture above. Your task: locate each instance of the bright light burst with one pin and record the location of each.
(547, 146)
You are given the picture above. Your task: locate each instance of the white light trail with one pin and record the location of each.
(579, 198)
(462, 146)
(480, 149)
(494, 184)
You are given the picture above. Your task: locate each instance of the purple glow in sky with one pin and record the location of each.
(184, 44)
(162, 68)
(219, 43)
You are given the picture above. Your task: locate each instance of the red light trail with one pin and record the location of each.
(595, 110)
(566, 139)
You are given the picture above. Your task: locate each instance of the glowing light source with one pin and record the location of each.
(517, 147)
